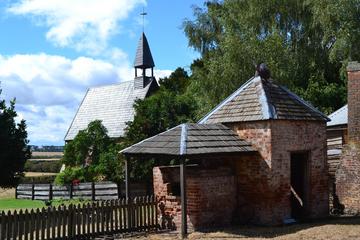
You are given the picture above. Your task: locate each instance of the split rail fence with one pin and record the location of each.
(81, 221)
(93, 191)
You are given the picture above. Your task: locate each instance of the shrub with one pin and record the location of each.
(83, 174)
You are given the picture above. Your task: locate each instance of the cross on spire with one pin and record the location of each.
(143, 14)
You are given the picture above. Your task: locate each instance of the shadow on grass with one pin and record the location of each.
(271, 232)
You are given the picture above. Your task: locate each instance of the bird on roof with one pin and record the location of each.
(263, 71)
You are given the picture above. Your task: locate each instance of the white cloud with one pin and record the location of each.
(49, 88)
(83, 24)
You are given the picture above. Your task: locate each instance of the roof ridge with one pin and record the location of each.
(183, 139)
(228, 99)
(304, 102)
(269, 112)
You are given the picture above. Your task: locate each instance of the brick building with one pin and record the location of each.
(259, 157)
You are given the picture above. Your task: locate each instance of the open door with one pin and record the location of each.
(299, 184)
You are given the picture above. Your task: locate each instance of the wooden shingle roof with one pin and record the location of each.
(260, 99)
(191, 139)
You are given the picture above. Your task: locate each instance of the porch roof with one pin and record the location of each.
(191, 139)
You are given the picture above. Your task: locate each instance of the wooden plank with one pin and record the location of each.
(27, 224)
(106, 192)
(105, 186)
(42, 187)
(32, 224)
(24, 187)
(15, 227)
(37, 224)
(61, 188)
(24, 197)
(41, 193)
(3, 221)
(42, 223)
(82, 187)
(41, 197)
(9, 225)
(48, 222)
(106, 197)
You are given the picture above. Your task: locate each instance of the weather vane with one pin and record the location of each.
(143, 14)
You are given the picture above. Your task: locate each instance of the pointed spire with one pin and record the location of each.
(143, 58)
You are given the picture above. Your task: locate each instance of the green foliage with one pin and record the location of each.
(166, 108)
(43, 166)
(13, 145)
(83, 174)
(94, 137)
(111, 164)
(306, 44)
(93, 143)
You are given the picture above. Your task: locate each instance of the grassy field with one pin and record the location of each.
(37, 174)
(46, 155)
(328, 229)
(12, 204)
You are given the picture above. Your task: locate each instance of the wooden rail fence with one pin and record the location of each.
(81, 221)
(93, 191)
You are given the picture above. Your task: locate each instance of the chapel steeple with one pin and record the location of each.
(143, 58)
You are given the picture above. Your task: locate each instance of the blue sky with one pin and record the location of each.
(51, 51)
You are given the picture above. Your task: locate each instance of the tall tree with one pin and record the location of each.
(306, 44)
(166, 108)
(13, 145)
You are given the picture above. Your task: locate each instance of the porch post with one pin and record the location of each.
(183, 197)
(127, 189)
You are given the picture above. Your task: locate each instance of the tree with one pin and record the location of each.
(93, 140)
(166, 108)
(306, 44)
(91, 156)
(13, 145)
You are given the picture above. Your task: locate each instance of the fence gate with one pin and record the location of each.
(81, 221)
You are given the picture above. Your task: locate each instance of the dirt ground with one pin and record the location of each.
(7, 193)
(329, 229)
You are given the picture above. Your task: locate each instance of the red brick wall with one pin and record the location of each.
(264, 180)
(292, 136)
(207, 192)
(348, 173)
(354, 102)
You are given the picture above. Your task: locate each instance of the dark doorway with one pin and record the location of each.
(299, 184)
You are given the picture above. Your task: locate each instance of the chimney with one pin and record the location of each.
(353, 98)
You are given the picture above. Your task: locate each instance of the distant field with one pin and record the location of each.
(37, 174)
(47, 154)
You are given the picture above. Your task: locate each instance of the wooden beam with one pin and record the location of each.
(127, 183)
(183, 198)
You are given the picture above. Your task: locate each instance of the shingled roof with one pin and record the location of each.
(112, 104)
(191, 139)
(143, 58)
(260, 99)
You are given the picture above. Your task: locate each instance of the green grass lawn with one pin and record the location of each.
(12, 204)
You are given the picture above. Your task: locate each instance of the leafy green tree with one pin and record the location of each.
(91, 156)
(306, 44)
(166, 108)
(91, 141)
(13, 145)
